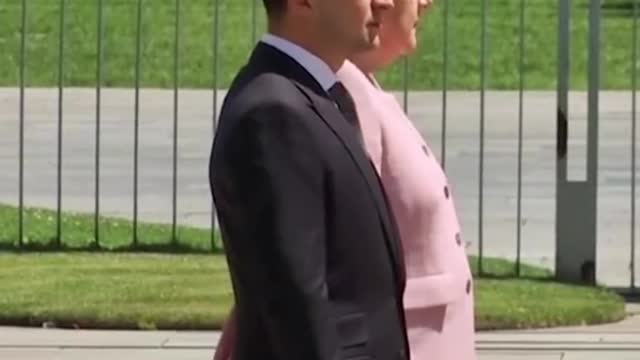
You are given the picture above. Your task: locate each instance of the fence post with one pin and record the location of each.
(576, 201)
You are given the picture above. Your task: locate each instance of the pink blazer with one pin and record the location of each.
(438, 299)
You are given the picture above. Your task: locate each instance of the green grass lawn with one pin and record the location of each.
(78, 233)
(155, 291)
(197, 39)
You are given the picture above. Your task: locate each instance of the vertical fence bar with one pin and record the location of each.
(593, 116)
(405, 84)
(60, 120)
(634, 74)
(254, 21)
(483, 70)
(445, 81)
(23, 50)
(99, 50)
(136, 130)
(520, 121)
(216, 82)
(176, 63)
(562, 116)
(564, 76)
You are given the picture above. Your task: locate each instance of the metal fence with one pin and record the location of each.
(446, 97)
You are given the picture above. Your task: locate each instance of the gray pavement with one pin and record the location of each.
(620, 341)
(425, 108)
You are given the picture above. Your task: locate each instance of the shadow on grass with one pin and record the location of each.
(537, 276)
(617, 8)
(630, 295)
(88, 323)
(496, 269)
(503, 269)
(514, 276)
(617, 5)
(53, 246)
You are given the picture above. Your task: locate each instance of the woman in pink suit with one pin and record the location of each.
(438, 298)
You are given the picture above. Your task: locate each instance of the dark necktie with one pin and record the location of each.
(347, 106)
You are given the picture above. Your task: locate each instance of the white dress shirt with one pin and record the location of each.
(313, 64)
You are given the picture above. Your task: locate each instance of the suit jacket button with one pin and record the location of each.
(458, 239)
(468, 289)
(446, 192)
(426, 151)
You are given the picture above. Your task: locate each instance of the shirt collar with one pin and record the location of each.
(320, 71)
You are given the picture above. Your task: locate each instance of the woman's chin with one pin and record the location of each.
(411, 46)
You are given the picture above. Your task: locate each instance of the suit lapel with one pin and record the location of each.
(332, 116)
(267, 58)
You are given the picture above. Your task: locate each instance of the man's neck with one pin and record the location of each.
(330, 56)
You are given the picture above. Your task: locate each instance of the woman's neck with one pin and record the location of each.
(369, 63)
(366, 63)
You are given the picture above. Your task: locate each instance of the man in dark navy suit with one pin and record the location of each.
(313, 251)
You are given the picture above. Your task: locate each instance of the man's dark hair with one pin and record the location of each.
(275, 8)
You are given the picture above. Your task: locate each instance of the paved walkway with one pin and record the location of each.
(425, 108)
(620, 341)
